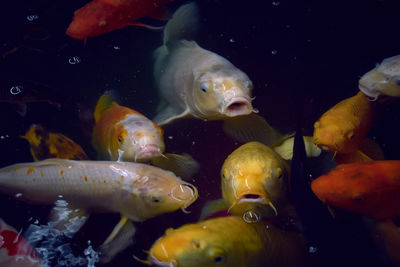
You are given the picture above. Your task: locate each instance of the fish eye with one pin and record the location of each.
(155, 199)
(204, 87)
(120, 139)
(350, 136)
(219, 259)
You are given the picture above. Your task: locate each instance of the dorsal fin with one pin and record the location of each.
(104, 102)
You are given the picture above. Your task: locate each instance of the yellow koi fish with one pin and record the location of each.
(45, 145)
(134, 190)
(197, 83)
(253, 178)
(121, 133)
(231, 242)
(384, 79)
(342, 128)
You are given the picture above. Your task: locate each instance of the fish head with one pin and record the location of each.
(154, 191)
(334, 134)
(192, 245)
(254, 178)
(222, 93)
(383, 79)
(93, 19)
(137, 139)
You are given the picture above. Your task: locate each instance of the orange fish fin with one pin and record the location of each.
(104, 102)
(145, 26)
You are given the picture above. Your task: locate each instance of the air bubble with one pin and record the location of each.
(276, 3)
(274, 52)
(74, 60)
(32, 17)
(251, 216)
(15, 90)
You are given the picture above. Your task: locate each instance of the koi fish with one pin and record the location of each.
(134, 190)
(369, 188)
(345, 125)
(102, 16)
(384, 79)
(197, 83)
(15, 251)
(45, 144)
(228, 241)
(253, 179)
(121, 133)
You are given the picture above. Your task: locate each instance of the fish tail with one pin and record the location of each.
(183, 24)
(103, 104)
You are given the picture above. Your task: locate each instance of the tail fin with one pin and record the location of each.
(183, 24)
(103, 104)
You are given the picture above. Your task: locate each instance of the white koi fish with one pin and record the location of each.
(195, 82)
(134, 190)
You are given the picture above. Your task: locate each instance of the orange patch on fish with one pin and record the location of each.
(139, 134)
(86, 178)
(122, 177)
(30, 170)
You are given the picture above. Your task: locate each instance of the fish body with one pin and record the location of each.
(384, 79)
(134, 190)
(15, 251)
(45, 144)
(228, 241)
(121, 133)
(345, 125)
(102, 16)
(369, 188)
(196, 82)
(254, 177)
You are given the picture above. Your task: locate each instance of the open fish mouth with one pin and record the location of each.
(149, 151)
(253, 198)
(156, 262)
(237, 106)
(370, 93)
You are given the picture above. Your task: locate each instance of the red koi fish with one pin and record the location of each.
(102, 16)
(369, 188)
(15, 251)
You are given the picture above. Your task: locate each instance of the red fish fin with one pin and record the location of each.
(145, 26)
(161, 13)
(331, 211)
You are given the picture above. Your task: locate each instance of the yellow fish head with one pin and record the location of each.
(222, 93)
(254, 178)
(333, 136)
(192, 245)
(382, 80)
(155, 192)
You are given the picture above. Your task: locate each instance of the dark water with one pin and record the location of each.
(304, 55)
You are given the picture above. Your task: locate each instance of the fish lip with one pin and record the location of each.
(260, 200)
(149, 151)
(156, 262)
(237, 106)
(370, 93)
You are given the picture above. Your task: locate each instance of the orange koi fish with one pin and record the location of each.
(15, 251)
(45, 144)
(121, 133)
(369, 188)
(101, 16)
(345, 125)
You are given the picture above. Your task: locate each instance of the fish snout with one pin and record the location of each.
(237, 106)
(252, 197)
(156, 262)
(185, 192)
(149, 151)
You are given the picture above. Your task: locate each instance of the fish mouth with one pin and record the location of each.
(253, 198)
(149, 151)
(156, 262)
(237, 106)
(370, 93)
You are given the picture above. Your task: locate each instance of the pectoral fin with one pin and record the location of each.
(119, 239)
(182, 165)
(169, 114)
(212, 207)
(285, 148)
(250, 127)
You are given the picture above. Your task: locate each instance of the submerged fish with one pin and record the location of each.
(194, 82)
(102, 16)
(45, 144)
(121, 133)
(345, 125)
(253, 178)
(15, 251)
(384, 79)
(228, 241)
(368, 188)
(134, 190)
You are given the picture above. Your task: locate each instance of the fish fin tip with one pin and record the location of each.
(169, 114)
(104, 102)
(249, 128)
(212, 207)
(183, 165)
